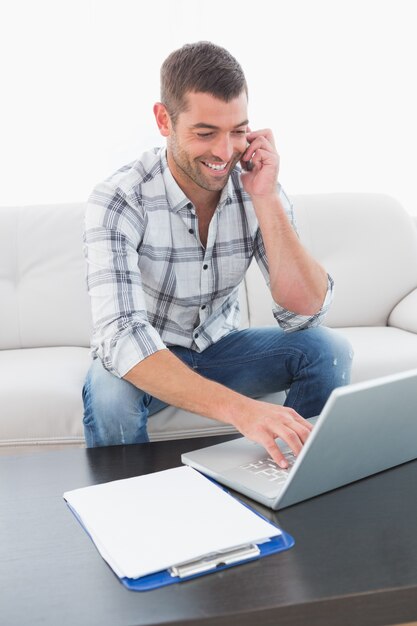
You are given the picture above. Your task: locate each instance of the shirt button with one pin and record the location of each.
(190, 230)
(196, 336)
(203, 307)
(205, 266)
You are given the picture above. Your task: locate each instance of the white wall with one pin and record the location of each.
(334, 79)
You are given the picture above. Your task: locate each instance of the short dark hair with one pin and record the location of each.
(199, 67)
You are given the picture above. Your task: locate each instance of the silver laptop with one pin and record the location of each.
(363, 429)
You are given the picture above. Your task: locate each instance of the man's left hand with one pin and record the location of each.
(262, 179)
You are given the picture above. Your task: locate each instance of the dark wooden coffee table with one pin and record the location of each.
(354, 562)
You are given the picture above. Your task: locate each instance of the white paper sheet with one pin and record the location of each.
(146, 524)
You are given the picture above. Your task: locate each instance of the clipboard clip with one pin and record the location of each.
(215, 559)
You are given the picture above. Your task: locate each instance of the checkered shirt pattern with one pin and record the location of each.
(152, 284)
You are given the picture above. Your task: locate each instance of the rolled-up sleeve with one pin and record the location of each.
(122, 334)
(293, 321)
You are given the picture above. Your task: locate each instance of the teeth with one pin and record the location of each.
(216, 167)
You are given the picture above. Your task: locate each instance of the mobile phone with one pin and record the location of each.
(247, 165)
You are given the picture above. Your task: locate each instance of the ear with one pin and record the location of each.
(162, 119)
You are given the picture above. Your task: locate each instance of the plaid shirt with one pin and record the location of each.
(151, 282)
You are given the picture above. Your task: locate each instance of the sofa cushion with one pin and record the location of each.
(404, 314)
(41, 401)
(40, 395)
(42, 277)
(380, 351)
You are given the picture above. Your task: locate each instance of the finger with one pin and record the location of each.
(302, 429)
(266, 132)
(304, 422)
(264, 157)
(247, 164)
(288, 436)
(258, 144)
(301, 432)
(274, 452)
(291, 438)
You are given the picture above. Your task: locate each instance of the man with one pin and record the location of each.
(168, 241)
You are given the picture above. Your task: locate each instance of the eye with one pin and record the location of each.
(240, 132)
(204, 135)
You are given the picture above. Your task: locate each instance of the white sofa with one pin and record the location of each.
(366, 241)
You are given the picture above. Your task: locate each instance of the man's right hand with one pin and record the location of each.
(263, 422)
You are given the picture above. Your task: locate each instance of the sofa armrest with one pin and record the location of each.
(404, 314)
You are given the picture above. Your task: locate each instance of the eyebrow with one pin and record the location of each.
(204, 125)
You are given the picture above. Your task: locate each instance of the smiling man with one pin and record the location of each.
(168, 241)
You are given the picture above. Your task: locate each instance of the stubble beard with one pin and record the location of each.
(191, 168)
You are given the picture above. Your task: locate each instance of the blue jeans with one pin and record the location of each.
(256, 361)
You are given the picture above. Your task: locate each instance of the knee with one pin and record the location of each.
(335, 352)
(102, 392)
(339, 347)
(114, 412)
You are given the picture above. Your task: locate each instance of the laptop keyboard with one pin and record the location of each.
(268, 469)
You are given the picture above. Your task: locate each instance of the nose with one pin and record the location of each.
(223, 148)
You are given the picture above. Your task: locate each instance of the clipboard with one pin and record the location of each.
(161, 579)
(215, 561)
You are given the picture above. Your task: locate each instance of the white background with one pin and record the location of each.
(334, 79)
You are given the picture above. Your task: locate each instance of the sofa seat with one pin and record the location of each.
(52, 393)
(41, 401)
(40, 391)
(380, 351)
(367, 242)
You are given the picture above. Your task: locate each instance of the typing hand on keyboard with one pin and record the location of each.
(263, 423)
(268, 469)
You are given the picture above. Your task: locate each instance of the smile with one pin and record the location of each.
(218, 167)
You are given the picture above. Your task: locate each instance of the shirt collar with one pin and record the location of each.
(177, 199)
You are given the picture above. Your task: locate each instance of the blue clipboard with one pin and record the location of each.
(282, 542)
(161, 579)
